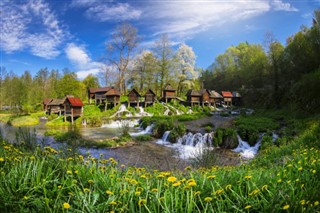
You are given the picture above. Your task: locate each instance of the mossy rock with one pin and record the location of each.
(225, 138)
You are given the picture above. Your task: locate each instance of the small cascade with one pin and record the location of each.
(190, 111)
(122, 109)
(148, 130)
(167, 111)
(163, 140)
(119, 123)
(142, 112)
(84, 122)
(246, 151)
(188, 146)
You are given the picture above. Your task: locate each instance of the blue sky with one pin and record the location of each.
(72, 34)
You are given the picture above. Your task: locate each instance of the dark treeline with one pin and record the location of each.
(27, 92)
(272, 75)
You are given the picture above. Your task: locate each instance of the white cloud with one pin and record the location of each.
(30, 26)
(278, 5)
(82, 61)
(119, 12)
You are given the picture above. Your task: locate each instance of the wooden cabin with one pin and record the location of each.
(92, 92)
(73, 107)
(236, 98)
(45, 103)
(133, 97)
(215, 98)
(205, 97)
(227, 97)
(169, 93)
(56, 106)
(112, 97)
(193, 97)
(149, 97)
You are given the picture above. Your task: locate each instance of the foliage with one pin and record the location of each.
(50, 180)
(249, 127)
(225, 138)
(143, 138)
(23, 120)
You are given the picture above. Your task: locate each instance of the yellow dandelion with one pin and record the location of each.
(137, 193)
(171, 179)
(197, 193)
(316, 203)
(59, 187)
(90, 181)
(302, 202)
(176, 183)
(211, 177)
(286, 207)
(76, 172)
(208, 199)
(300, 168)
(248, 207)
(279, 181)
(314, 171)
(113, 203)
(2, 159)
(264, 187)
(160, 176)
(154, 190)
(25, 197)
(247, 177)
(192, 183)
(109, 192)
(69, 172)
(218, 192)
(187, 168)
(66, 205)
(228, 187)
(142, 202)
(86, 190)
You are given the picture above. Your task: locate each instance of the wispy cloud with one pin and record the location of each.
(278, 5)
(30, 25)
(79, 57)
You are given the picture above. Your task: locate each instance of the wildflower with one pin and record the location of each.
(31, 158)
(25, 197)
(286, 207)
(254, 192)
(154, 190)
(192, 183)
(109, 192)
(176, 183)
(66, 205)
(248, 177)
(302, 202)
(218, 192)
(137, 193)
(248, 207)
(197, 193)
(143, 176)
(211, 177)
(76, 172)
(228, 186)
(90, 181)
(300, 168)
(314, 171)
(1, 159)
(69, 172)
(171, 179)
(264, 187)
(113, 203)
(208, 199)
(86, 190)
(279, 181)
(59, 187)
(122, 165)
(316, 203)
(142, 202)
(187, 168)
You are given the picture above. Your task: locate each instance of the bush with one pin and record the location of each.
(143, 138)
(225, 138)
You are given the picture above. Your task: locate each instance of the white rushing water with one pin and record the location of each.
(142, 113)
(122, 109)
(119, 123)
(148, 130)
(248, 152)
(190, 145)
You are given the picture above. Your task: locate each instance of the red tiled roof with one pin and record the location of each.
(226, 94)
(75, 102)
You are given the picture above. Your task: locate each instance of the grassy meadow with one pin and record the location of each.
(282, 178)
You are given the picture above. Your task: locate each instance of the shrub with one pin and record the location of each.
(225, 138)
(143, 138)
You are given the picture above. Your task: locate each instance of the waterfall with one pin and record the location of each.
(164, 138)
(246, 151)
(122, 109)
(143, 113)
(148, 130)
(118, 123)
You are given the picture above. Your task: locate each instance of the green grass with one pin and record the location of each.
(282, 179)
(23, 120)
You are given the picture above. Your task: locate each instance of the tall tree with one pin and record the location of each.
(164, 54)
(187, 74)
(120, 48)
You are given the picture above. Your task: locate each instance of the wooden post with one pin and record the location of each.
(72, 115)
